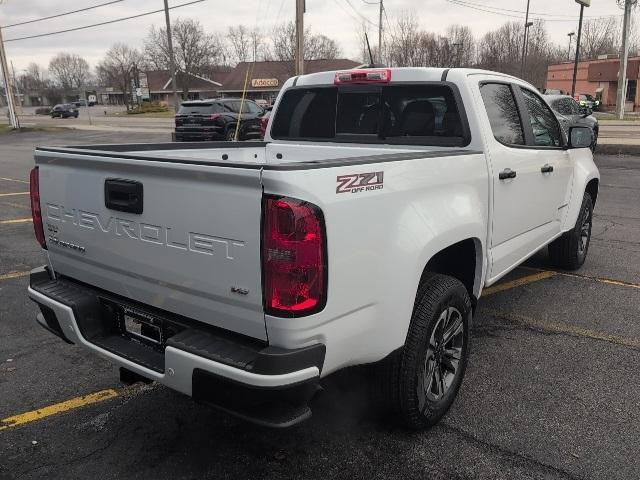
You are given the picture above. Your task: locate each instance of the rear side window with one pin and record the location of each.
(503, 113)
(199, 108)
(395, 114)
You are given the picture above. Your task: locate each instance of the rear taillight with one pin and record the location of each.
(363, 76)
(36, 212)
(214, 116)
(294, 257)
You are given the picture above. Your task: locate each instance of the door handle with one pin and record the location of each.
(507, 173)
(546, 168)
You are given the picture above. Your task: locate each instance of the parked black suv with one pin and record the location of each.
(64, 110)
(217, 120)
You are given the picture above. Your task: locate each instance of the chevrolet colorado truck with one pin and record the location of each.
(361, 232)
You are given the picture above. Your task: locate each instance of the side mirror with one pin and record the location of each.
(580, 137)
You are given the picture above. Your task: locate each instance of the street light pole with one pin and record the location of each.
(624, 58)
(570, 35)
(299, 60)
(583, 3)
(380, 33)
(524, 39)
(172, 59)
(575, 63)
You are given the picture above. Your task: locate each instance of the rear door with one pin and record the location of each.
(183, 238)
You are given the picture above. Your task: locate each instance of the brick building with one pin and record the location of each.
(265, 79)
(598, 78)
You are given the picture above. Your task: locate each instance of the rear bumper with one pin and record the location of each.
(227, 371)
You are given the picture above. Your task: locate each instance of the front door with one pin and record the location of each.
(524, 160)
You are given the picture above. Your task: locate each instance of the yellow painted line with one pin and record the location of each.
(13, 194)
(14, 180)
(15, 221)
(518, 282)
(608, 281)
(565, 328)
(57, 408)
(10, 275)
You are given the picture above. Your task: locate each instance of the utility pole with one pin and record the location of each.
(380, 33)
(172, 58)
(624, 58)
(583, 3)
(524, 39)
(300, 9)
(17, 90)
(13, 117)
(570, 35)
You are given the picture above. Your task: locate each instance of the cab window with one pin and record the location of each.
(545, 126)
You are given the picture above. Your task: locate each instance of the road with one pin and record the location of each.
(552, 390)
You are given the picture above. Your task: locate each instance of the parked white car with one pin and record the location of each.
(362, 231)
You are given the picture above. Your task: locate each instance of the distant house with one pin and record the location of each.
(265, 79)
(161, 89)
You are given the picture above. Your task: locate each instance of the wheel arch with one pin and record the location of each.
(462, 260)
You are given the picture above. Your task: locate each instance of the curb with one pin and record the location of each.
(617, 149)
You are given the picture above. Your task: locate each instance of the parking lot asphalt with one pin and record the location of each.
(552, 390)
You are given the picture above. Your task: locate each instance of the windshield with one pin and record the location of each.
(424, 114)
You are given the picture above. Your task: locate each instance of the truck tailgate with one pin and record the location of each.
(194, 248)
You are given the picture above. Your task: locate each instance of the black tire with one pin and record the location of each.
(570, 250)
(402, 376)
(230, 134)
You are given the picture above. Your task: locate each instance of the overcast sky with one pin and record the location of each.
(337, 19)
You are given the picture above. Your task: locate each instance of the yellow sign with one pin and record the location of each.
(264, 82)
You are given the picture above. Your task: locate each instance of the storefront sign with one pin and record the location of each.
(264, 82)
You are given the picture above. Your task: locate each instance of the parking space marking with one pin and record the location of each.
(57, 408)
(535, 277)
(565, 328)
(15, 221)
(10, 275)
(14, 180)
(13, 194)
(608, 281)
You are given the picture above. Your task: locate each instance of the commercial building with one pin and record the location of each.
(265, 79)
(598, 78)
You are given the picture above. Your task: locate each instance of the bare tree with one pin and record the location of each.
(501, 49)
(240, 41)
(117, 66)
(33, 78)
(599, 37)
(462, 41)
(70, 70)
(316, 47)
(195, 50)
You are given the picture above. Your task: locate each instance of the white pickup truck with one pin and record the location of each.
(361, 232)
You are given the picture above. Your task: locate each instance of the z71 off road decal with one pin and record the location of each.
(360, 182)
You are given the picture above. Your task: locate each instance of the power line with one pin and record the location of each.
(101, 23)
(62, 14)
(359, 14)
(501, 12)
(505, 12)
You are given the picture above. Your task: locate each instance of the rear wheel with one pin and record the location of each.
(421, 381)
(230, 136)
(570, 250)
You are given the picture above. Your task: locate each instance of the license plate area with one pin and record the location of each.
(142, 327)
(138, 325)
